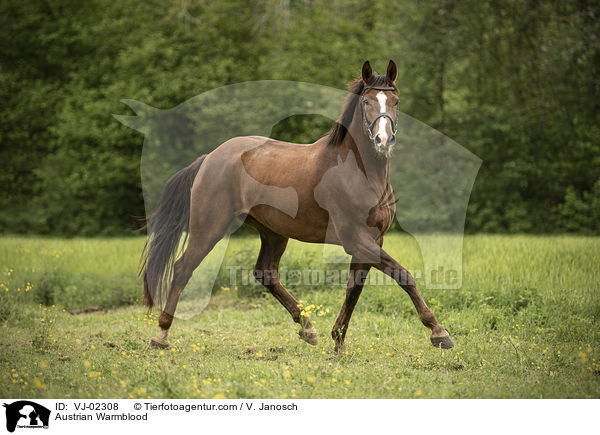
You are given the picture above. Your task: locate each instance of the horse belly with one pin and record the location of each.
(306, 226)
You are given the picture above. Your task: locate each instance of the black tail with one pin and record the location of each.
(165, 227)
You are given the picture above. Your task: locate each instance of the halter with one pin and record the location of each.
(369, 126)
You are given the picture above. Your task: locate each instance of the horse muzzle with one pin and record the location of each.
(383, 143)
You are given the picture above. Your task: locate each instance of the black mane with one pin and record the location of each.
(339, 129)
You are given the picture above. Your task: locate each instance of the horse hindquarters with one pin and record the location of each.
(211, 211)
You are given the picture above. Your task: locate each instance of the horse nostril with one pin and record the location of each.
(392, 140)
(377, 140)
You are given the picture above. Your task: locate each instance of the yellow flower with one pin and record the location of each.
(311, 379)
(44, 364)
(219, 395)
(86, 363)
(38, 384)
(418, 393)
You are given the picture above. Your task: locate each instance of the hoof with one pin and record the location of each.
(157, 343)
(339, 349)
(308, 335)
(444, 342)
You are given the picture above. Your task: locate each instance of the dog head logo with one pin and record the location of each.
(26, 414)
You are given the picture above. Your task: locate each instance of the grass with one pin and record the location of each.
(525, 325)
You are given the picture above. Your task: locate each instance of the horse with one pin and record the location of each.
(336, 190)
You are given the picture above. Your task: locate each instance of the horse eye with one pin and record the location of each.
(366, 102)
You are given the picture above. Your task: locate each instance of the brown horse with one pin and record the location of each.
(336, 190)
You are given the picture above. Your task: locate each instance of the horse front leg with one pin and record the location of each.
(356, 282)
(389, 266)
(367, 250)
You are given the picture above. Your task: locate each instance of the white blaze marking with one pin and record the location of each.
(382, 98)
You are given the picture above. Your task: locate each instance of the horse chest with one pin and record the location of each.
(382, 215)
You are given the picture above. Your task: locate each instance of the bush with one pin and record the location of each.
(581, 213)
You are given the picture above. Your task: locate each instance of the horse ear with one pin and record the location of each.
(367, 71)
(392, 71)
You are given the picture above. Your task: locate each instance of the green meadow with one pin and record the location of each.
(525, 325)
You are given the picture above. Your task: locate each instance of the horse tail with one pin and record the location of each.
(165, 227)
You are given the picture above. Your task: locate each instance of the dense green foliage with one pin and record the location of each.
(525, 324)
(516, 82)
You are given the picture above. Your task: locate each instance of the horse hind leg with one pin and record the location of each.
(199, 246)
(266, 272)
(182, 272)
